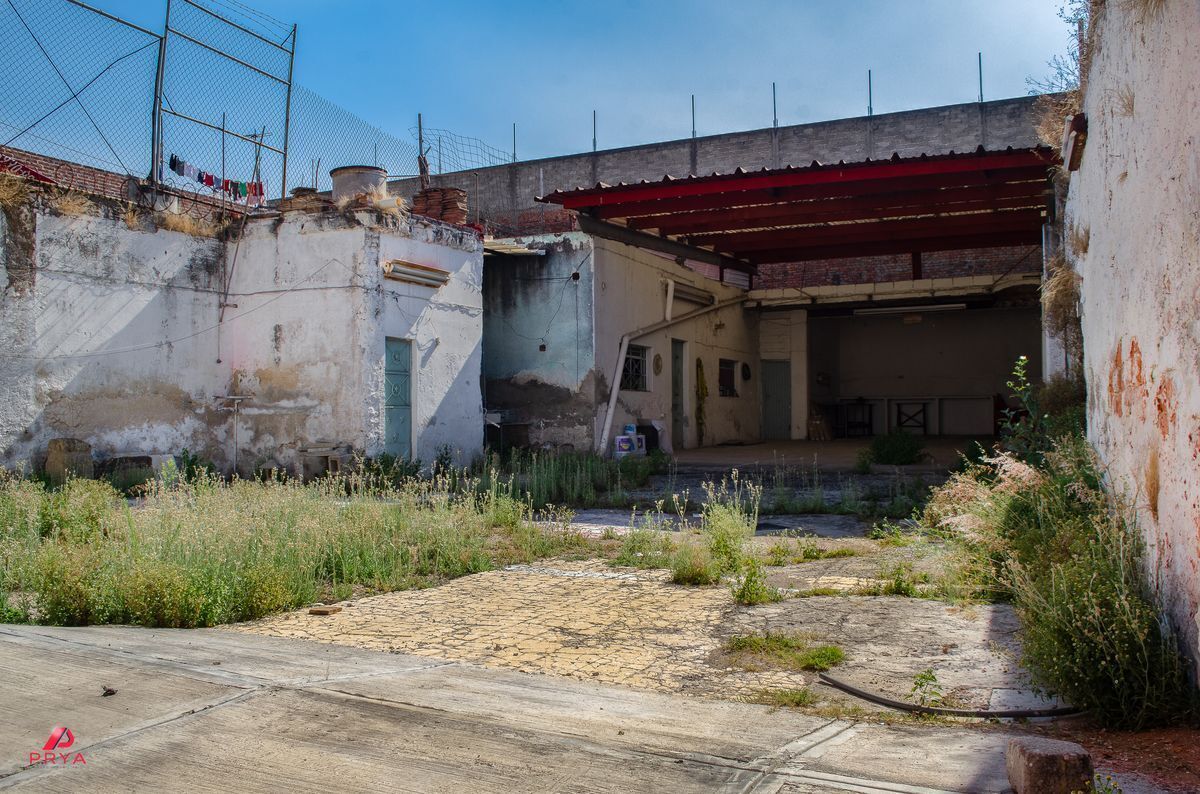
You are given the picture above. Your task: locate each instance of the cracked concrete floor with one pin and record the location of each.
(588, 621)
(209, 710)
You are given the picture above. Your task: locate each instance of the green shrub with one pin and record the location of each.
(897, 448)
(1051, 539)
(645, 548)
(79, 510)
(751, 586)
(693, 564)
(728, 520)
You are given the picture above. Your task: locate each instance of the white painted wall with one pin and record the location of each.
(111, 342)
(630, 290)
(1136, 198)
(116, 339)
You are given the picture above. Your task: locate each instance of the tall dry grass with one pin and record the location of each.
(206, 552)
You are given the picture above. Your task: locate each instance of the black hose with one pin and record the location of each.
(1061, 711)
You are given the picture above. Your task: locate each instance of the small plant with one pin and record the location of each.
(692, 564)
(900, 581)
(926, 689)
(1103, 784)
(890, 533)
(779, 553)
(751, 586)
(644, 548)
(863, 461)
(1024, 428)
(791, 651)
(897, 448)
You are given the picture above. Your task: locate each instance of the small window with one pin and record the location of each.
(633, 374)
(726, 378)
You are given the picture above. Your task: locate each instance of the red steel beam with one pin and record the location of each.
(881, 248)
(817, 175)
(740, 242)
(904, 202)
(844, 190)
(864, 216)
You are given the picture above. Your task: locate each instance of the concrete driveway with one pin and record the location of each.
(215, 710)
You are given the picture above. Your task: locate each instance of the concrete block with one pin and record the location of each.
(68, 457)
(1047, 766)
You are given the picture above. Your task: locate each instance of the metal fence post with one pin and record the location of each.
(156, 117)
(287, 114)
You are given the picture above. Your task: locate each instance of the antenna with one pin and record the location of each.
(693, 115)
(870, 96)
(593, 130)
(774, 106)
(981, 78)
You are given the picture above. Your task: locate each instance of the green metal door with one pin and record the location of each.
(776, 399)
(397, 398)
(678, 404)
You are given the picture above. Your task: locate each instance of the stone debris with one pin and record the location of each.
(1048, 766)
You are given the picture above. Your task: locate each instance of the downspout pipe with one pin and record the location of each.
(614, 388)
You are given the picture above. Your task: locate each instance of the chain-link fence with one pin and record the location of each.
(79, 85)
(76, 85)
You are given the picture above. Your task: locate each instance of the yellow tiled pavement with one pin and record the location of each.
(579, 619)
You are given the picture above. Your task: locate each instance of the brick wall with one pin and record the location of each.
(898, 267)
(112, 185)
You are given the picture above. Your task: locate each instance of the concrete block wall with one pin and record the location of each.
(506, 193)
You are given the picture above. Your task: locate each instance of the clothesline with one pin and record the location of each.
(237, 190)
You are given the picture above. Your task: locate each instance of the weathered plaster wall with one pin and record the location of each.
(536, 301)
(110, 335)
(957, 355)
(1133, 220)
(105, 335)
(308, 337)
(631, 293)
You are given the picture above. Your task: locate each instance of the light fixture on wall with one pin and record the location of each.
(932, 307)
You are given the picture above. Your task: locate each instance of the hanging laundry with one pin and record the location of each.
(174, 162)
(209, 180)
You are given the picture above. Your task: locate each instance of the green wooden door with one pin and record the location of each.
(397, 399)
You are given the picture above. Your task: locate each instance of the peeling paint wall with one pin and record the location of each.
(114, 339)
(631, 289)
(103, 328)
(539, 361)
(1133, 232)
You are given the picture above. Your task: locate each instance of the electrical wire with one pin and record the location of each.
(567, 281)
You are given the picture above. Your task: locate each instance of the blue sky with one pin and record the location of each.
(476, 67)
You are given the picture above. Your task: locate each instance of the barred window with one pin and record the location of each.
(726, 377)
(633, 374)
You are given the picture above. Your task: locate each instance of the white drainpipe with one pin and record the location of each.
(614, 388)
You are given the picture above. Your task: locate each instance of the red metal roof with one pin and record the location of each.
(926, 203)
